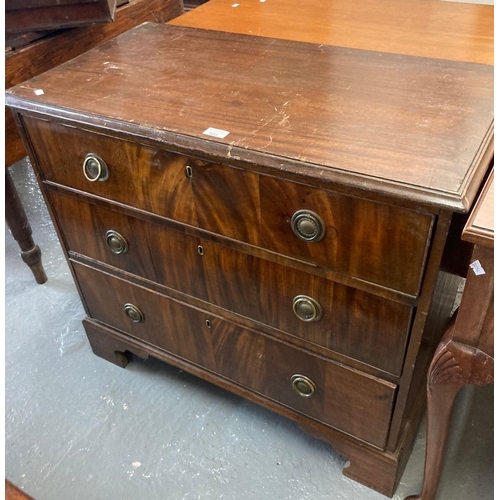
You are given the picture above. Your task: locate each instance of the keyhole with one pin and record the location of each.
(189, 172)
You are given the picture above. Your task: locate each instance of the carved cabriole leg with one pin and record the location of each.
(21, 230)
(448, 373)
(110, 348)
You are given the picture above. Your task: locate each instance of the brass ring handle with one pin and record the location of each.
(116, 242)
(134, 313)
(303, 385)
(306, 308)
(308, 225)
(95, 168)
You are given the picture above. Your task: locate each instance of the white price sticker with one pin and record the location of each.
(477, 268)
(216, 132)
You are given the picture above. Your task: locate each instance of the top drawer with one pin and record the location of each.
(374, 242)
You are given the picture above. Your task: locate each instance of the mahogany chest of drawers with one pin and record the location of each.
(278, 218)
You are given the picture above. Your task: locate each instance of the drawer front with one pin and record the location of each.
(343, 398)
(375, 242)
(151, 251)
(352, 322)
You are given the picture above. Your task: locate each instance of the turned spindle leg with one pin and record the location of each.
(21, 230)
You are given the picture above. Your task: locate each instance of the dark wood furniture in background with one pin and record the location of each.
(33, 15)
(193, 4)
(19, 226)
(31, 55)
(465, 355)
(308, 258)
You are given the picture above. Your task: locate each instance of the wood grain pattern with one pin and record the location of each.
(354, 323)
(244, 205)
(344, 279)
(154, 252)
(382, 122)
(238, 319)
(51, 51)
(394, 238)
(480, 227)
(248, 358)
(442, 30)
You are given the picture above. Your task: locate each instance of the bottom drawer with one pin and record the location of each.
(341, 397)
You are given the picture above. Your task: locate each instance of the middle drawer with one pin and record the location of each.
(352, 322)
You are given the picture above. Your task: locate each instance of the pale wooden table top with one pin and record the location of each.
(428, 28)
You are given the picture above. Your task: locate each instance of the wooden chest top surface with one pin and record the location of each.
(413, 127)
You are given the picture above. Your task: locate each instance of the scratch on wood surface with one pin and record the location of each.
(336, 108)
(266, 102)
(178, 37)
(268, 144)
(267, 122)
(267, 47)
(284, 122)
(100, 99)
(229, 149)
